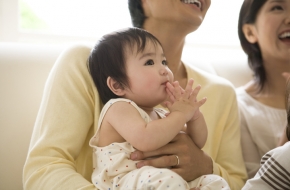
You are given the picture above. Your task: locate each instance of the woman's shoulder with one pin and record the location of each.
(246, 101)
(253, 108)
(243, 96)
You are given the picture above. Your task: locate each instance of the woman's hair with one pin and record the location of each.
(248, 15)
(108, 58)
(136, 12)
(287, 101)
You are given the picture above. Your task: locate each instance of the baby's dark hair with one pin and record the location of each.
(287, 101)
(108, 58)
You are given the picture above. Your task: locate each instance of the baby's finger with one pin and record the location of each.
(177, 91)
(182, 90)
(188, 89)
(201, 102)
(171, 96)
(195, 93)
(170, 87)
(167, 104)
(169, 92)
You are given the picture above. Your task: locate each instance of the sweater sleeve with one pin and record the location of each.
(228, 162)
(59, 156)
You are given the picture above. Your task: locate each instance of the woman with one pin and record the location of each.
(275, 162)
(59, 156)
(263, 29)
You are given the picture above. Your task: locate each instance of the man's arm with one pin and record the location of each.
(190, 156)
(59, 156)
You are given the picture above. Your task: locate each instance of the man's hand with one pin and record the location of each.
(193, 162)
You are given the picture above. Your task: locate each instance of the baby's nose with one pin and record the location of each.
(163, 72)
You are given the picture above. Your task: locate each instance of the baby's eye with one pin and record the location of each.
(149, 62)
(277, 7)
(164, 62)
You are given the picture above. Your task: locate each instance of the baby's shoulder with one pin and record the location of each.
(119, 103)
(120, 106)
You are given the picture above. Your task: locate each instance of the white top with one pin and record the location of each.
(261, 129)
(274, 172)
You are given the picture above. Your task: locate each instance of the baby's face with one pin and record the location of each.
(148, 74)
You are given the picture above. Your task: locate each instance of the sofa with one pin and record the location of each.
(23, 71)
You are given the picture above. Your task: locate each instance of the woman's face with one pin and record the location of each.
(185, 12)
(272, 30)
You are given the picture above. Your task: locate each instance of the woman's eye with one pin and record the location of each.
(149, 62)
(277, 7)
(164, 62)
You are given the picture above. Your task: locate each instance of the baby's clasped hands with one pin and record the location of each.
(183, 100)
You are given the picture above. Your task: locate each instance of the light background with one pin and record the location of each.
(94, 18)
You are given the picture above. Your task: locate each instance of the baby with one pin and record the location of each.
(130, 71)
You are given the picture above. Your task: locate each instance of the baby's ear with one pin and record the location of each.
(250, 33)
(115, 86)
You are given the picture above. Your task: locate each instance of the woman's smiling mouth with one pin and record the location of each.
(195, 2)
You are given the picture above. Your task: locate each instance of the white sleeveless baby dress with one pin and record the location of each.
(114, 170)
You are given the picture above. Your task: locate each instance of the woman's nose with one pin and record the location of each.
(287, 20)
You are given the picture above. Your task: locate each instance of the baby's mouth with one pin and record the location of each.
(164, 83)
(195, 2)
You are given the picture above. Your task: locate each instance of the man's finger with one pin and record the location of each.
(177, 170)
(159, 162)
(138, 155)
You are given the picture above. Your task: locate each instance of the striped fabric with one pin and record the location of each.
(274, 174)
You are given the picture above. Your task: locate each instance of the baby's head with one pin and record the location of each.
(110, 58)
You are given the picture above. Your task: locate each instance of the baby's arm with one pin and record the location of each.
(197, 130)
(196, 127)
(126, 120)
(128, 123)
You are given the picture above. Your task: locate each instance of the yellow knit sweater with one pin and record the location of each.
(59, 155)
